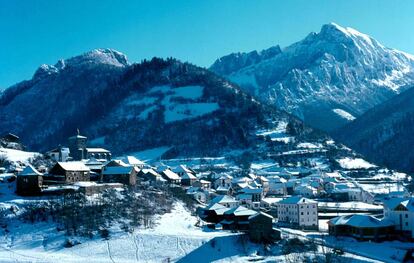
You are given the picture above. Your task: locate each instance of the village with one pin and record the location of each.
(358, 200)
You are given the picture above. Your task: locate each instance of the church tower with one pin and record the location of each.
(77, 147)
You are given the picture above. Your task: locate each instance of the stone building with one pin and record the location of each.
(79, 150)
(261, 228)
(68, 172)
(29, 181)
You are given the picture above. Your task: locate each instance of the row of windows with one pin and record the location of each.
(301, 213)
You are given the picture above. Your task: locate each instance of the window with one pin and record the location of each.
(406, 215)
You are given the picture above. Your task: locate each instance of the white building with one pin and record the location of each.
(223, 181)
(358, 194)
(299, 212)
(306, 190)
(60, 154)
(277, 185)
(401, 212)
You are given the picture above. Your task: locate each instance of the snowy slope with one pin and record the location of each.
(174, 237)
(13, 155)
(337, 68)
(133, 107)
(384, 134)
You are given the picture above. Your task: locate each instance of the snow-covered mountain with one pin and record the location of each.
(385, 133)
(327, 79)
(132, 107)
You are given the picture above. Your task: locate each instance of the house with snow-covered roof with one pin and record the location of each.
(237, 218)
(255, 195)
(182, 169)
(126, 175)
(29, 181)
(68, 172)
(170, 176)
(362, 227)
(298, 211)
(188, 178)
(213, 213)
(277, 185)
(224, 180)
(306, 190)
(132, 161)
(264, 182)
(150, 176)
(199, 194)
(400, 211)
(226, 200)
(261, 228)
(203, 184)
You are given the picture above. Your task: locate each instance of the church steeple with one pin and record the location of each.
(77, 146)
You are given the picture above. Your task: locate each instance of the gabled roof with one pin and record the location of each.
(181, 169)
(392, 203)
(262, 178)
(276, 179)
(214, 206)
(162, 168)
(188, 176)
(73, 166)
(131, 160)
(356, 220)
(150, 171)
(297, 199)
(240, 211)
(97, 150)
(116, 170)
(225, 176)
(408, 204)
(219, 209)
(171, 175)
(29, 171)
(116, 163)
(222, 199)
(261, 214)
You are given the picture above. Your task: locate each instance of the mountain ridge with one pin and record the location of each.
(384, 133)
(337, 68)
(135, 107)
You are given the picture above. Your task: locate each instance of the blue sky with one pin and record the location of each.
(37, 32)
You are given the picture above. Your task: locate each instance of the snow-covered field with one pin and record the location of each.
(17, 155)
(354, 163)
(388, 251)
(173, 238)
(344, 114)
(278, 134)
